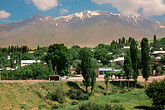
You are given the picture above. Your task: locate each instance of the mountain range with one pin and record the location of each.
(87, 28)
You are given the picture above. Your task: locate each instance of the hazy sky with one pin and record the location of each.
(15, 10)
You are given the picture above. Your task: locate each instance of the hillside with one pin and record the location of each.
(32, 96)
(86, 28)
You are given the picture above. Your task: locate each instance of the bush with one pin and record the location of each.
(91, 106)
(74, 103)
(33, 71)
(77, 94)
(94, 106)
(156, 91)
(58, 96)
(55, 107)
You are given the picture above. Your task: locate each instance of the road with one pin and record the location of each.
(80, 78)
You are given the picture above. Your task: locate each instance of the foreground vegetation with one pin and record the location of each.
(36, 96)
(86, 95)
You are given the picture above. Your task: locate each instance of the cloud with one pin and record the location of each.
(63, 10)
(5, 21)
(149, 7)
(45, 4)
(4, 14)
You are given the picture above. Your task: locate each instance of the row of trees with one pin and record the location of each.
(34, 71)
(10, 49)
(157, 44)
(134, 61)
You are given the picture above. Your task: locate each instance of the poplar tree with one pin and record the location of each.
(155, 44)
(106, 77)
(93, 79)
(145, 59)
(86, 66)
(134, 59)
(128, 67)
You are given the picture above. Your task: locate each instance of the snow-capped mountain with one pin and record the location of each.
(84, 28)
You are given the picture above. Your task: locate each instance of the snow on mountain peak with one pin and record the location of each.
(87, 14)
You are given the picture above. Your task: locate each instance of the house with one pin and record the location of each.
(8, 57)
(28, 62)
(157, 54)
(103, 70)
(118, 61)
(54, 77)
(126, 47)
(31, 52)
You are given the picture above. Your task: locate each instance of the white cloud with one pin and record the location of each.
(4, 14)
(149, 7)
(45, 4)
(63, 10)
(5, 21)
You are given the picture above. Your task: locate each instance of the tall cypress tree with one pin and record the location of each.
(145, 59)
(128, 67)
(93, 79)
(134, 59)
(106, 77)
(86, 66)
(155, 45)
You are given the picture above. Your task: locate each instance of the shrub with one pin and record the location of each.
(91, 106)
(156, 91)
(55, 107)
(94, 106)
(77, 94)
(23, 106)
(116, 107)
(58, 96)
(74, 103)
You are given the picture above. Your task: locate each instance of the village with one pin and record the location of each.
(116, 64)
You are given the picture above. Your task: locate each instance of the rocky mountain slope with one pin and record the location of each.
(86, 28)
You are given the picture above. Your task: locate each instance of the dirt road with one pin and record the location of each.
(80, 78)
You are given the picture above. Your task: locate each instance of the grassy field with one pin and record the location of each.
(28, 96)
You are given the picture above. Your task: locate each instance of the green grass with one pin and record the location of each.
(19, 96)
(130, 101)
(32, 96)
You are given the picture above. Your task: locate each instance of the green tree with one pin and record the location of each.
(134, 59)
(156, 91)
(123, 40)
(93, 79)
(155, 44)
(38, 47)
(103, 55)
(76, 65)
(28, 56)
(60, 57)
(128, 67)
(86, 66)
(145, 59)
(50, 66)
(163, 59)
(106, 78)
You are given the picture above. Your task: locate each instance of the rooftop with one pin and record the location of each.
(119, 59)
(158, 52)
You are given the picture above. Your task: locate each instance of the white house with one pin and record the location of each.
(119, 61)
(126, 47)
(28, 62)
(103, 70)
(157, 54)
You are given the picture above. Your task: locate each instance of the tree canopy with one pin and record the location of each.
(60, 57)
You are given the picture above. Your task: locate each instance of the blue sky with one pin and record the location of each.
(15, 10)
